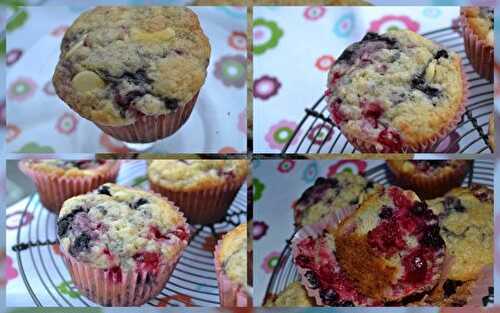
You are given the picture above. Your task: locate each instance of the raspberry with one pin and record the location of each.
(115, 274)
(338, 117)
(416, 267)
(390, 140)
(181, 234)
(372, 112)
(399, 198)
(336, 76)
(386, 238)
(303, 261)
(147, 260)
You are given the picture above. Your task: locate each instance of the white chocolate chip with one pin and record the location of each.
(75, 47)
(153, 37)
(87, 81)
(430, 71)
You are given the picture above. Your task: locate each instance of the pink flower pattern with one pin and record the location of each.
(388, 22)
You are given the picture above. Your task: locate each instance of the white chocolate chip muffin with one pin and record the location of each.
(231, 267)
(479, 38)
(126, 236)
(203, 189)
(121, 65)
(466, 218)
(331, 194)
(429, 178)
(59, 180)
(396, 92)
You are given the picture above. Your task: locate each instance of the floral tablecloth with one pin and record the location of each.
(277, 184)
(294, 48)
(39, 122)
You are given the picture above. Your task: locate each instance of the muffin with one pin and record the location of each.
(120, 244)
(134, 71)
(479, 38)
(429, 178)
(58, 180)
(294, 295)
(391, 247)
(330, 194)
(315, 257)
(231, 268)
(466, 218)
(491, 131)
(203, 189)
(396, 92)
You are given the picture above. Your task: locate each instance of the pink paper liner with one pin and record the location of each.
(151, 128)
(480, 54)
(481, 286)
(204, 206)
(232, 294)
(427, 187)
(107, 288)
(54, 190)
(368, 146)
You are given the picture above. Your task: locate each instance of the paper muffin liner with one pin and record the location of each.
(151, 128)
(110, 287)
(203, 206)
(480, 54)
(53, 190)
(431, 186)
(331, 221)
(366, 145)
(232, 294)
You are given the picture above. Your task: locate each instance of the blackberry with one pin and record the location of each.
(385, 213)
(450, 287)
(171, 104)
(418, 208)
(441, 54)
(81, 244)
(432, 237)
(104, 190)
(312, 279)
(329, 297)
(64, 223)
(138, 203)
(452, 203)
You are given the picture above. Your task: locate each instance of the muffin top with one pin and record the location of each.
(233, 254)
(69, 168)
(294, 295)
(331, 194)
(427, 168)
(482, 21)
(119, 63)
(395, 90)
(466, 218)
(196, 174)
(391, 246)
(121, 227)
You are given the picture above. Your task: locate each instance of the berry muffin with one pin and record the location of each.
(134, 71)
(231, 268)
(396, 92)
(203, 189)
(466, 218)
(58, 180)
(330, 194)
(120, 244)
(479, 38)
(491, 131)
(314, 255)
(390, 247)
(429, 178)
(294, 295)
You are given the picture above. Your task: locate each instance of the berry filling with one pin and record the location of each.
(338, 117)
(323, 273)
(390, 140)
(372, 111)
(115, 274)
(148, 261)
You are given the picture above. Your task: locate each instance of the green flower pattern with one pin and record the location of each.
(266, 35)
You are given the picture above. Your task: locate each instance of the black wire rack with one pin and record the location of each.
(318, 134)
(193, 282)
(285, 272)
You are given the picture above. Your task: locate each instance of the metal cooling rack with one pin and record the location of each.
(192, 283)
(285, 272)
(321, 135)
